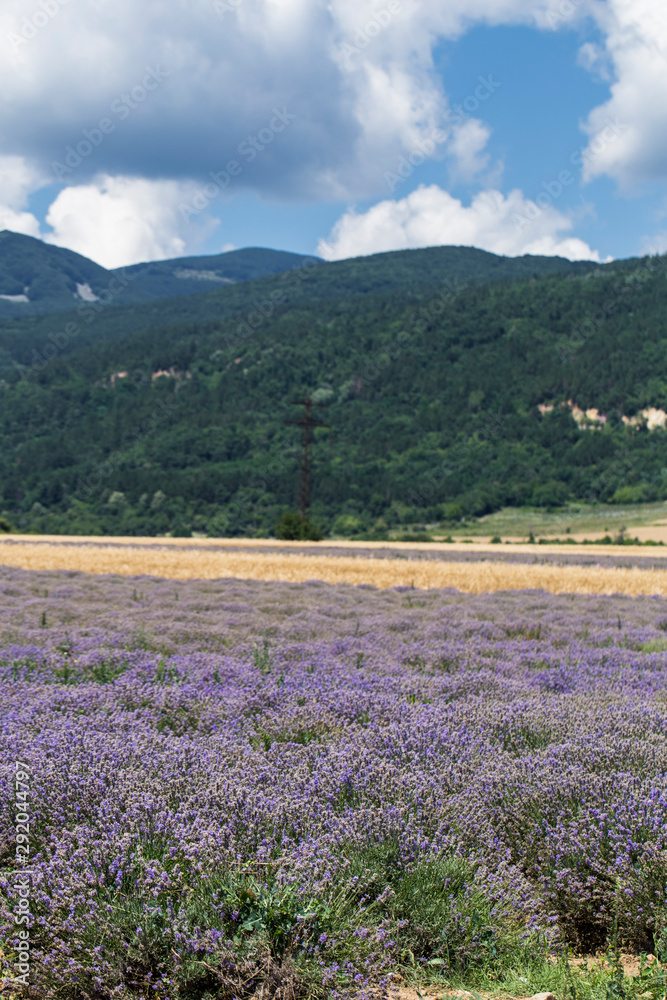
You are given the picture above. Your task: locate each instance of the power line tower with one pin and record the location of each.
(307, 422)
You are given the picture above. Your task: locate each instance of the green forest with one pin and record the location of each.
(37, 278)
(429, 368)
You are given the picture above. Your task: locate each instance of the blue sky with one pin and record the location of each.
(136, 131)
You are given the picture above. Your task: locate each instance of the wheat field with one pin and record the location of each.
(151, 557)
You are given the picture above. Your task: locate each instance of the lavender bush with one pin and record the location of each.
(306, 788)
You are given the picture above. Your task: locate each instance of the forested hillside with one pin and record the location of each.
(37, 278)
(430, 368)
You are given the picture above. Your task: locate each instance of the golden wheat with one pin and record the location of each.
(178, 562)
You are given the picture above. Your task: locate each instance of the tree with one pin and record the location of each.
(292, 528)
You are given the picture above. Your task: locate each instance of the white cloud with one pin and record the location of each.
(421, 22)
(429, 216)
(635, 55)
(18, 222)
(18, 180)
(357, 75)
(467, 150)
(122, 220)
(225, 72)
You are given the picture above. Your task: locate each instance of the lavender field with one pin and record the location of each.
(243, 789)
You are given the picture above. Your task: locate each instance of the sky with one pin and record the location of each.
(135, 130)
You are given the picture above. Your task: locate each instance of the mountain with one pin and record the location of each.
(37, 278)
(454, 382)
(192, 275)
(409, 273)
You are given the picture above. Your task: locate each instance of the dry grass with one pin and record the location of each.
(179, 562)
(656, 532)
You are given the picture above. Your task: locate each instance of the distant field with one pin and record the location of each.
(577, 520)
(183, 559)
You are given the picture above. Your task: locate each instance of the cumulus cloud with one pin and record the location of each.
(357, 75)
(354, 81)
(429, 216)
(18, 222)
(121, 220)
(18, 180)
(635, 57)
(467, 149)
